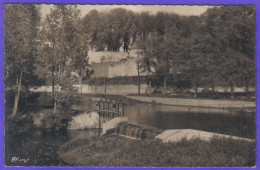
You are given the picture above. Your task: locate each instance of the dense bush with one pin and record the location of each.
(56, 122)
(25, 99)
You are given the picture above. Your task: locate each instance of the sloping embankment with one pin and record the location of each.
(195, 102)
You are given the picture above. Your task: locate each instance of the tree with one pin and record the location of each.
(231, 32)
(164, 21)
(94, 26)
(21, 34)
(144, 25)
(79, 58)
(146, 63)
(62, 35)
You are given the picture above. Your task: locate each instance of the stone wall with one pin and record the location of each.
(100, 69)
(195, 102)
(124, 67)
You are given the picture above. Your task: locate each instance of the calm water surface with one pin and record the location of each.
(176, 117)
(211, 120)
(20, 145)
(159, 116)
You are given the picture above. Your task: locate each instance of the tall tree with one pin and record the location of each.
(21, 34)
(61, 34)
(94, 25)
(146, 63)
(79, 58)
(144, 24)
(231, 31)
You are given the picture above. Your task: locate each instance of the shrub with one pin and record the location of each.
(56, 121)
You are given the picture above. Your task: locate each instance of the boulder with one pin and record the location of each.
(85, 121)
(109, 126)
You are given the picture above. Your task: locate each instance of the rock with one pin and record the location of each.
(109, 126)
(85, 121)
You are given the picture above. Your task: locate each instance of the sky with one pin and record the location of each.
(153, 9)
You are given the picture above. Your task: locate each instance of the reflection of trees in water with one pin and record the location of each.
(165, 117)
(39, 146)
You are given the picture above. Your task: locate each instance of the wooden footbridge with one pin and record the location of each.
(110, 108)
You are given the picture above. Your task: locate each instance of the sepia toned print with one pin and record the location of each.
(130, 85)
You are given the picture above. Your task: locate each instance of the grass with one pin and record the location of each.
(117, 151)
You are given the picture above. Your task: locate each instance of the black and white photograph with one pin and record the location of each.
(129, 85)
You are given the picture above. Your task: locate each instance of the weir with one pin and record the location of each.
(120, 126)
(136, 131)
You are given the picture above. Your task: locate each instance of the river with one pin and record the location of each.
(153, 115)
(177, 117)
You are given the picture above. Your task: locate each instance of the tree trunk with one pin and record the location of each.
(16, 100)
(247, 87)
(56, 95)
(247, 90)
(213, 87)
(138, 74)
(80, 82)
(164, 85)
(95, 85)
(53, 84)
(196, 90)
(150, 87)
(55, 107)
(105, 84)
(55, 102)
(186, 84)
(60, 78)
(139, 86)
(232, 88)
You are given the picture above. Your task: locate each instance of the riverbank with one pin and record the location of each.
(220, 93)
(117, 151)
(221, 104)
(233, 105)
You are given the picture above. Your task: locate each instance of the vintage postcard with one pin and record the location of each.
(129, 85)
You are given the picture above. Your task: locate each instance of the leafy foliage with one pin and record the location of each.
(218, 46)
(21, 43)
(21, 50)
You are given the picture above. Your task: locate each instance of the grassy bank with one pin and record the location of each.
(119, 151)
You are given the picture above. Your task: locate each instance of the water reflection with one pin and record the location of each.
(212, 120)
(23, 144)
